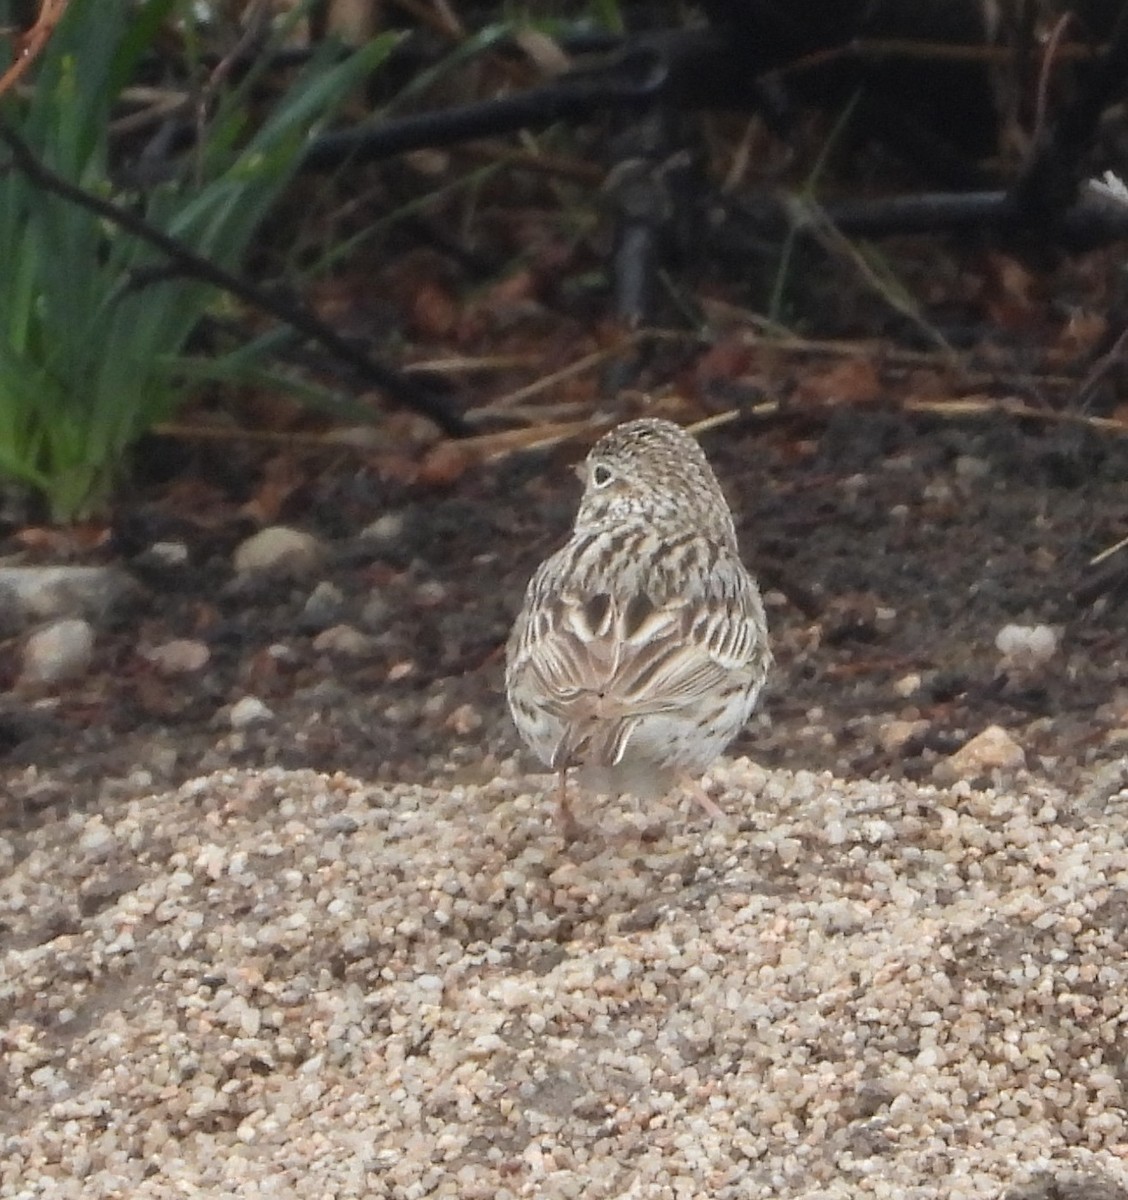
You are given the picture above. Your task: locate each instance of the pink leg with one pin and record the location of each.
(568, 825)
(693, 786)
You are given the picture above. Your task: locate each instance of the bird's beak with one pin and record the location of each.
(581, 471)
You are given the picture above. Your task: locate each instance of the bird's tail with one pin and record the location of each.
(594, 741)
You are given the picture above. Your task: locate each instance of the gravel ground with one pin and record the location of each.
(289, 984)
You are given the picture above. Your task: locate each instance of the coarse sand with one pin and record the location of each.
(287, 984)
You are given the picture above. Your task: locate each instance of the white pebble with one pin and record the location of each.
(180, 656)
(344, 641)
(993, 749)
(167, 554)
(278, 550)
(1027, 645)
(387, 528)
(250, 710)
(60, 651)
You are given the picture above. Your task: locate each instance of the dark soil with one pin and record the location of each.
(890, 547)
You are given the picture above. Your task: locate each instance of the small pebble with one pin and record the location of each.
(276, 983)
(992, 750)
(166, 554)
(1027, 645)
(40, 593)
(907, 685)
(970, 467)
(323, 606)
(388, 528)
(375, 614)
(278, 550)
(180, 656)
(345, 642)
(60, 651)
(894, 734)
(250, 710)
(96, 840)
(464, 720)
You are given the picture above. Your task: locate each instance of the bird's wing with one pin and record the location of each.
(597, 651)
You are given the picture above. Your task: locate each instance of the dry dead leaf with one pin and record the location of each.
(272, 410)
(281, 477)
(264, 674)
(408, 431)
(194, 499)
(29, 45)
(353, 21)
(725, 360)
(543, 50)
(845, 382)
(1010, 293)
(1080, 335)
(157, 696)
(517, 288)
(433, 311)
(444, 464)
(68, 541)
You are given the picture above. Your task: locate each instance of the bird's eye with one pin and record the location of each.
(600, 475)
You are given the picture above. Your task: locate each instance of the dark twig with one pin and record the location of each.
(406, 391)
(645, 190)
(744, 228)
(633, 79)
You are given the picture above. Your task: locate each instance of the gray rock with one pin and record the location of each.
(59, 651)
(388, 528)
(249, 711)
(344, 641)
(180, 656)
(279, 550)
(323, 606)
(165, 555)
(29, 594)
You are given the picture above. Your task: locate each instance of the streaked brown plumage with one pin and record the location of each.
(641, 646)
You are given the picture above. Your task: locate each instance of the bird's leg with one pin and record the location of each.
(698, 792)
(567, 821)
